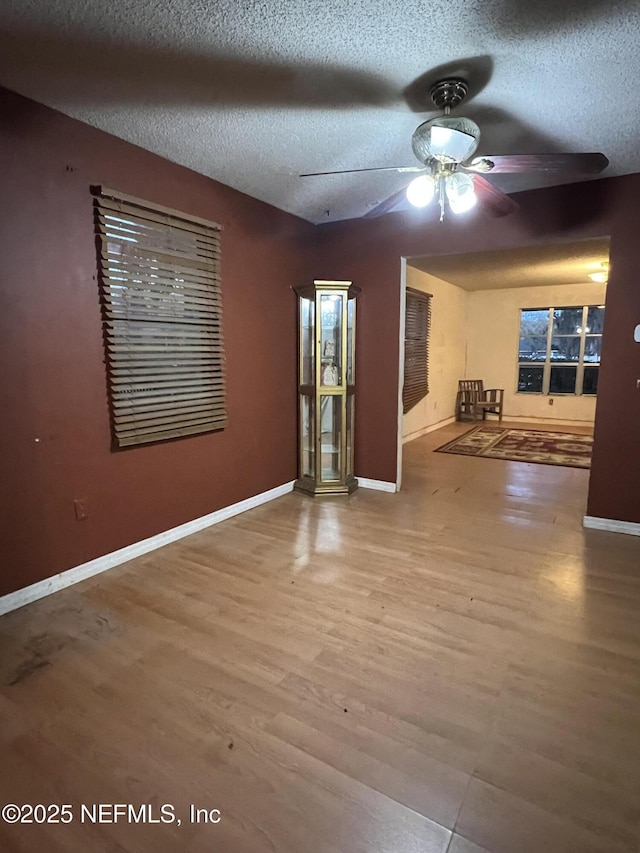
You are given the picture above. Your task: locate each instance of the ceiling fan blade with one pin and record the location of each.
(387, 205)
(373, 169)
(492, 199)
(586, 164)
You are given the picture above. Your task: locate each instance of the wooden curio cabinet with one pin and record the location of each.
(326, 387)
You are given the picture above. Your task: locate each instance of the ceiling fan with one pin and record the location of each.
(445, 147)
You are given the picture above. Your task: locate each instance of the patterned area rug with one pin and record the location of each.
(524, 445)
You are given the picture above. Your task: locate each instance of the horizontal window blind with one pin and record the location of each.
(416, 348)
(162, 312)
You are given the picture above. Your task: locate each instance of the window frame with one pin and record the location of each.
(161, 299)
(548, 364)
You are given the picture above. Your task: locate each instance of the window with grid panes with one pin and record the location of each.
(559, 350)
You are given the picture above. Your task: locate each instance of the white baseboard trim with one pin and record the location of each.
(425, 430)
(378, 485)
(611, 524)
(523, 419)
(14, 600)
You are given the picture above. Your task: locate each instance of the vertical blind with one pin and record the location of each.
(416, 348)
(162, 312)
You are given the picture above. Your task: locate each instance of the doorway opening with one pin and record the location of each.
(527, 320)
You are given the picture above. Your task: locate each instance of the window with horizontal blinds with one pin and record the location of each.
(416, 348)
(162, 312)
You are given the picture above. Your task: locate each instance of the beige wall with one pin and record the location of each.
(492, 346)
(474, 335)
(447, 351)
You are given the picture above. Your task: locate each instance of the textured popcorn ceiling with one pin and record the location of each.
(530, 266)
(254, 93)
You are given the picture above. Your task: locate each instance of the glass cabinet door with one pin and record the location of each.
(351, 340)
(307, 437)
(307, 340)
(331, 436)
(331, 339)
(349, 436)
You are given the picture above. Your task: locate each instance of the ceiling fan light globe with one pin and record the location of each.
(461, 192)
(448, 139)
(462, 205)
(421, 191)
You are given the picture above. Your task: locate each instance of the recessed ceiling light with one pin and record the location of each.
(602, 275)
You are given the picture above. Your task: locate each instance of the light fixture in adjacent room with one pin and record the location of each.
(602, 275)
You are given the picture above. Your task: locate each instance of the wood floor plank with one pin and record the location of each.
(503, 822)
(459, 844)
(424, 785)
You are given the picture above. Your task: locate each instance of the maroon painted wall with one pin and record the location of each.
(369, 252)
(54, 429)
(614, 486)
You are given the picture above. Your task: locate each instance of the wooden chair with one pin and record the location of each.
(474, 401)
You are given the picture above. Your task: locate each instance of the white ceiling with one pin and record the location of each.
(253, 93)
(526, 266)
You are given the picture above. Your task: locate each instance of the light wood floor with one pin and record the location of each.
(454, 668)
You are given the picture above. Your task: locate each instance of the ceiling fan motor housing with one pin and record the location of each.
(449, 92)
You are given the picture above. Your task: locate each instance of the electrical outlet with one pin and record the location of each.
(81, 509)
